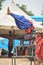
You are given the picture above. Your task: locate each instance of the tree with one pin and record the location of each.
(23, 7)
(1, 4)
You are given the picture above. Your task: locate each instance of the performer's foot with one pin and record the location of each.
(9, 55)
(8, 11)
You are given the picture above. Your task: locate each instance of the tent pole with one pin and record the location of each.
(42, 22)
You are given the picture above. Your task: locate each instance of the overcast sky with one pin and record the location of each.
(34, 5)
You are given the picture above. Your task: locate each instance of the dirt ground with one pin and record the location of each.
(19, 61)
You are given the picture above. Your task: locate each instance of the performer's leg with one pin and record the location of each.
(10, 44)
(10, 47)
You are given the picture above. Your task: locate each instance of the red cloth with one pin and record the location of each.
(29, 29)
(39, 49)
(37, 38)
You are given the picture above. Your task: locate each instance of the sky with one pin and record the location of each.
(32, 5)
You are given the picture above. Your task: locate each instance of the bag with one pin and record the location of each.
(39, 49)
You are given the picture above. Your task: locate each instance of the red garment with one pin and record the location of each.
(29, 29)
(39, 48)
(37, 38)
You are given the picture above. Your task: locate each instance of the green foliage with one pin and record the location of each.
(1, 4)
(23, 7)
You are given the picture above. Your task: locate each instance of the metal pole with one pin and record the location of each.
(42, 22)
(31, 62)
(14, 61)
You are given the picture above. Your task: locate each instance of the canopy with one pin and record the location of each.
(7, 22)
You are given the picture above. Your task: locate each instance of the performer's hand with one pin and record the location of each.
(8, 11)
